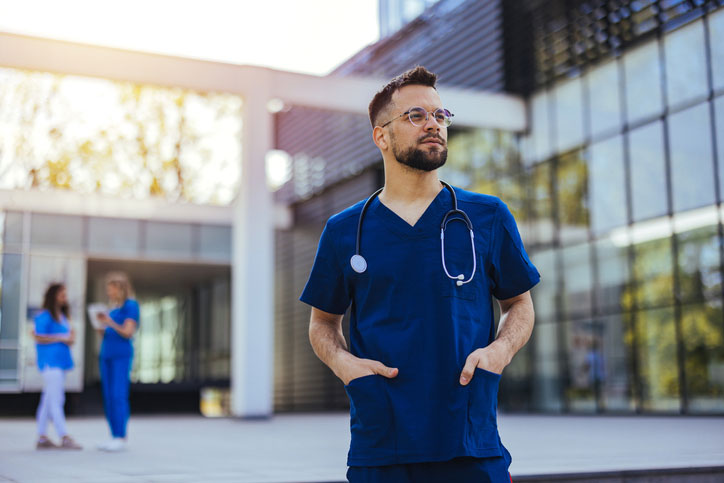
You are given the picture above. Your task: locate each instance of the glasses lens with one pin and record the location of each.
(417, 116)
(443, 117)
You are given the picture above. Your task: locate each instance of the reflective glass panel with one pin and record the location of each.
(215, 242)
(613, 275)
(692, 165)
(704, 348)
(653, 272)
(643, 82)
(604, 98)
(719, 123)
(13, 236)
(572, 184)
(648, 171)
(568, 98)
(685, 52)
(615, 370)
(545, 293)
(716, 36)
(655, 339)
(10, 302)
(585, 365)
(540, 128)
(542, 225)
(8, 363)
(168, 239)
(607, 185)
(577, 280)
(547, 382)
(699, 264)
(56, 231)
(113, 236)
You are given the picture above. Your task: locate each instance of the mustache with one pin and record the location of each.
(431, 137)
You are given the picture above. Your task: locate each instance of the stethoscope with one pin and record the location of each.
(359, 264)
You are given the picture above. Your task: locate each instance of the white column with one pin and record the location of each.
(252, 331)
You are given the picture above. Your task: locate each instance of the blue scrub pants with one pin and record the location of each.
(115, 381)
(459, 470)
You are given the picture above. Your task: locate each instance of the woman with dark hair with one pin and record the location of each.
(53, 337)
(116, 356)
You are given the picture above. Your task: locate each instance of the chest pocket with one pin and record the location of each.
(459, 261)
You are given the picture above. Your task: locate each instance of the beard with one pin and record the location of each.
(418, 159)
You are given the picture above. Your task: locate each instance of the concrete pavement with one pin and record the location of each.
(313, 447)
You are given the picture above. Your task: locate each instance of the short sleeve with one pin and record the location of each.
(42, 321)
(512, 272)
(131, 311)
(326, 289)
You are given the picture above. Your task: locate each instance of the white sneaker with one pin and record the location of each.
(114, 445)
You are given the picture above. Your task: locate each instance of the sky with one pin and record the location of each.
(310, 36)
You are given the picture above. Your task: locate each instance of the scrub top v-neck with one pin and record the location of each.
(406, 313)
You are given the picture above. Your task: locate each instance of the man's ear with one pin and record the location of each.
(380, 138)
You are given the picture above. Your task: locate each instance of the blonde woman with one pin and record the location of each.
(116, 355)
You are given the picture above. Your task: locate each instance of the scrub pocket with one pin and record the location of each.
(482, 411)
(468, 291)
(370, 417)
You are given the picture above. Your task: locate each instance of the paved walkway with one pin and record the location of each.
(313, 447)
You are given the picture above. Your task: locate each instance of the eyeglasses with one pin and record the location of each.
(419, 116)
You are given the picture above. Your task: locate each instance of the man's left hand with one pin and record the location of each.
(492, 358)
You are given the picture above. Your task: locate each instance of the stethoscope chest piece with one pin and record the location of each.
(358, 262)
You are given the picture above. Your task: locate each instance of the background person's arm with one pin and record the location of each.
(514, 329)
(126, 330)
(325, 334)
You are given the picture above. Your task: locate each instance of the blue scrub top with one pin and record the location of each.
(56, 355)
(406, 313)
(114, 344)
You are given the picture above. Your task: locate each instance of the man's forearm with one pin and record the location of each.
(328, 343)
(515, 327)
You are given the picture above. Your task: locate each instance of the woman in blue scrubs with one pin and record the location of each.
(116, 357)
(53, 337)
(425, 358)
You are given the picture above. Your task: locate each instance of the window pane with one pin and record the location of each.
(546, 376)
(8, 362)
(692, 166)
(56, 231)
(168, 239)
(113, 236)
(607, 185)
(685, 64)
(643, 82)
(577, 280)
(613, 275)
(704, 348)
(542, 226)
(699, 269)
(657, 359)
(571, 188)
(13, 230)
(603, 95)
(10, 302)
(540, 128)
(653, 272)
(648, 172)
(569, 114)
(719, 123)
(585, 365)
(716, 36)
(544, 295)
(215, 242)
(616, 374)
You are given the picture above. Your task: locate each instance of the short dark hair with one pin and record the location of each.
(416, 76)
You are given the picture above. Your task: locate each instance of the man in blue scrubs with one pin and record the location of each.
(424, 362)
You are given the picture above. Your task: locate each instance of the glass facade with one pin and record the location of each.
(621, 179)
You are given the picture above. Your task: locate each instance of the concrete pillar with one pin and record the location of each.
(252, 272)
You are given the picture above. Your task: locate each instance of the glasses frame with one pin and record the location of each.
(427, 116)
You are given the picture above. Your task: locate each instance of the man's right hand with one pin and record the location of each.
(354, 368)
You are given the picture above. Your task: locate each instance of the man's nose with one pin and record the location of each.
(431, 125)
